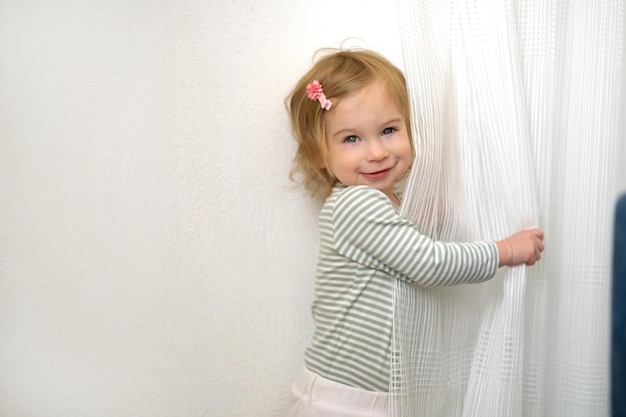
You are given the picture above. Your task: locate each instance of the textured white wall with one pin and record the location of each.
(153, 259)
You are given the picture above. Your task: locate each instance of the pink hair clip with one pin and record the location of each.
(315, 92)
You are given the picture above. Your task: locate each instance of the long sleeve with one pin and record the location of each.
(369, 230)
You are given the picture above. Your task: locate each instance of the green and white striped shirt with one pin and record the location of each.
(364, 245)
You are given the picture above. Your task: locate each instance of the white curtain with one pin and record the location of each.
(518, 111)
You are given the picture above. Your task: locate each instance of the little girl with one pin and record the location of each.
(350, 116)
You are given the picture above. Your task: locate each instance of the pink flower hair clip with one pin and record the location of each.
(315, 92)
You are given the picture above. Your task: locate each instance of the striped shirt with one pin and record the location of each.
(364, 244)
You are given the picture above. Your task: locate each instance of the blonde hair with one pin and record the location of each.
(341, 73)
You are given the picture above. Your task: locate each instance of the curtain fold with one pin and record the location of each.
(517, 108)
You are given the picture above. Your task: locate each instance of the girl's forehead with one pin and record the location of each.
(373, 94)
(373, 90)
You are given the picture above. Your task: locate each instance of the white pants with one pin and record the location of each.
(315, 396)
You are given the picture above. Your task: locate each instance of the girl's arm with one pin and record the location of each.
(368, 230)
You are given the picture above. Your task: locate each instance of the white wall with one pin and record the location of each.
(153, 259)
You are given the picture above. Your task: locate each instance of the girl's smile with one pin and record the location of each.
(368, 142)
(377, 175)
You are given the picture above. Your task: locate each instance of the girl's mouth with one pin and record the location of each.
(377, 175)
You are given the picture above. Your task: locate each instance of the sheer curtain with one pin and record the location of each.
(518, 110)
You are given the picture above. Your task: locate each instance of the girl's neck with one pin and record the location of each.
(395, 200)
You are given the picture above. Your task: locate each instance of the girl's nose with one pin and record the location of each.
(376, 151)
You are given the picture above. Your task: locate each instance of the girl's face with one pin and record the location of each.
(368, 142)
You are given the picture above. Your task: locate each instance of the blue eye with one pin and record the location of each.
(388, 131)
(351, 139)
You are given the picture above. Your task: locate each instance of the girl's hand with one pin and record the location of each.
(523, 247)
